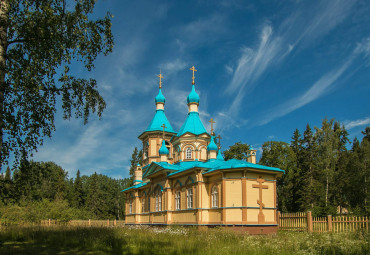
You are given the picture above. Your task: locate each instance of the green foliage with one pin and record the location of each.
(238, 151)
(177, 240)
(41, 190)
(321, 174)
(39, 41)
(136, 158)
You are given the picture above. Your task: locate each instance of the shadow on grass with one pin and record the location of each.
(57, 240)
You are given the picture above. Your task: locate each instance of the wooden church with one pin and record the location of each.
(184, 179)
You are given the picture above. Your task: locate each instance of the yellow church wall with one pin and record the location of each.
(159, 217)
(205, 196)
(130, 218)
(258, 175)
(233, 215)
(267, 194)
(233, 175)
(153, 147)
(144, 218)
(214, 216)
(269, 215)
(204, 216)
(233, 193)
(252, 216)
(186, 217)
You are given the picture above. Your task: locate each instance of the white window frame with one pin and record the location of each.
(143, 204)
(188, 153)
(158, 202)
(214, 197)
(189, 198)
(178, 200)
(130, 206)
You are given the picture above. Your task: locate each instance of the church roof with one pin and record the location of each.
(219, 155)
(193, 125)
(158, 120)
(209, 166)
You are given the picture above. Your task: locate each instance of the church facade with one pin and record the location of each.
(184, 179)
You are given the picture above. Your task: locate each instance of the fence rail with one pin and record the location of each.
(93, 223)
(303, 221)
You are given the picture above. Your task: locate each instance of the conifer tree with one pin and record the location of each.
(136, 158)
(78, 195)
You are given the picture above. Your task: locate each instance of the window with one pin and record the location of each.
(214, 197)
(168, 148)
(188, 153)
(178, 200)
(143, 204)
(130, 206)
(158, 202)
(148, 203)
(189, 198)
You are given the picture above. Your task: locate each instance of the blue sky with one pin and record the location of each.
(265, 68)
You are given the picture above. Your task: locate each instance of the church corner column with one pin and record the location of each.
(199, 197)
(137, 207)
(223, 202)
(168, 202)
(244, 199)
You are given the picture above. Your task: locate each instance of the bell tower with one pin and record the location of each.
(154, 137)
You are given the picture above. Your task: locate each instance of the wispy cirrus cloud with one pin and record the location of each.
(302, 28)
(349, 124)
(318, 89)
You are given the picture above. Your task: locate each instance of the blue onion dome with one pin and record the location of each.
(212, 145)
(193, 97)
(160, 97)
(163, 150)
(219, 155)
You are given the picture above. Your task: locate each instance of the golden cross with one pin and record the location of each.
(193, 69)
(164, 127)
(212, 121)
(261, 217)
(219, 141)
(160, 79)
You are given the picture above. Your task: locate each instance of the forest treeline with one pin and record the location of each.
(42, 190)
(325, 173)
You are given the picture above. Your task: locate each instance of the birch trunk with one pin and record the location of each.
(4, 5)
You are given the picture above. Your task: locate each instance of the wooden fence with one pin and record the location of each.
(86, 223)
(305, 222)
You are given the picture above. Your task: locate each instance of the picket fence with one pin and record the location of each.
(86, 223)
(303, 221)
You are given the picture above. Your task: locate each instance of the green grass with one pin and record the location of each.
(174, 240)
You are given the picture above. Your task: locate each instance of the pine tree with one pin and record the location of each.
(78, 195)
(136, 158)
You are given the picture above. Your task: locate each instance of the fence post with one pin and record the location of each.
(115, 222)
(108, 222)
(49, 222)
(278, 218)
(309, 222)
(330, 223)
(89, 222)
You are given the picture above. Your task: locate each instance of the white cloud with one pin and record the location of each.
(356, 123)
(364, 49)
(174, 66)
(318, 89)
(229, 69)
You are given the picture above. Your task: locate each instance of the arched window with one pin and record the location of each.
(189, 198)
(214, 197)
(188, 153)
(178, 200)
(143, 204)
(148, 203)
(168, 148)
(158, 201)
(130, 206)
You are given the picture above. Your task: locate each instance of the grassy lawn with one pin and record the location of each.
(174, 240)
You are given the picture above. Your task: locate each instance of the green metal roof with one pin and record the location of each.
(163, 150)
(160, 97)
(212, 146)
(193, 125)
